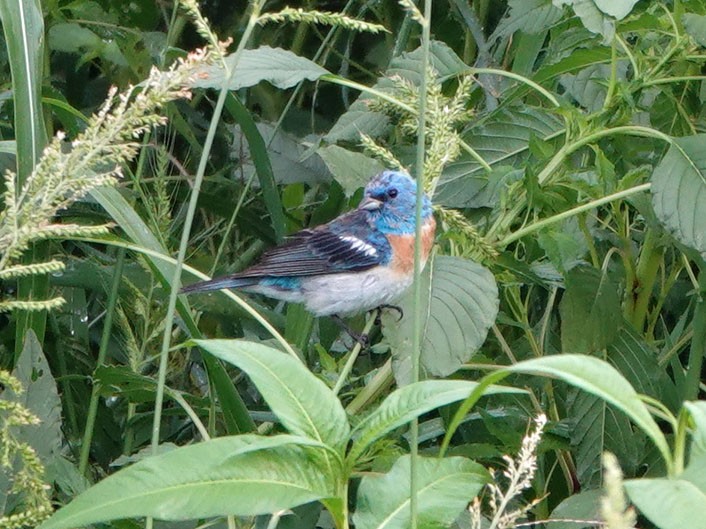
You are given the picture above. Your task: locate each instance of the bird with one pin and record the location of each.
(359, 261)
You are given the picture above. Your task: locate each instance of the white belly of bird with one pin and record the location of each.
(346, 294)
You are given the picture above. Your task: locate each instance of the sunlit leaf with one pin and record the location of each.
(444, 487)
(240, 475)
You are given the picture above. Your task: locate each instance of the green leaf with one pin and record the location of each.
(408, 402)
(637, 362)
(282, 68)
(460, 303)
(528, 16)
(695, 25)
(697, 410)
(593, 18)
(618, 9)
(352, 170)
(304, 404)
(581, 506)
(41, 397)
(23, 25)
(240, 475)
(590, 311)
(679, 191)
(258, 151)
(597, 428)
(600, 379)
(292, 158)
(669, 503)
(444, 488)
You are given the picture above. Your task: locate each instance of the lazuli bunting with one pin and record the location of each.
(359, 261)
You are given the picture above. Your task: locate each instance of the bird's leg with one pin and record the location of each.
(362, 339)
(391, 307)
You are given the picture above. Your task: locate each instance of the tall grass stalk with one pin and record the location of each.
(417, 303)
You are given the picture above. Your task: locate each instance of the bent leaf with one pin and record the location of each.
(444, 488)
(241, 475)
(304, 404)
(460, 303)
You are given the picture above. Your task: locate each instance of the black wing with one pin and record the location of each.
(343, 245)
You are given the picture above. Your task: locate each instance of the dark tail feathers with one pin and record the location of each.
(219, 283)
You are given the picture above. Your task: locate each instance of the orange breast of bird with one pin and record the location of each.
(403, 248)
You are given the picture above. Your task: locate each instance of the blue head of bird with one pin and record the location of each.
(390, 200)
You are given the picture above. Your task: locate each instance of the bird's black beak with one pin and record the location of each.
(370, 204)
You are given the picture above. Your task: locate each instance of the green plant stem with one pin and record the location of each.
(698, 342)
(102, 351)
(348, 367)
(492, 71)
(417, 286)
(613, 74)
(570, 213)
(645, 277)
(256, 7)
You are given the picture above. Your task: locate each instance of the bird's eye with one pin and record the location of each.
(392, 193)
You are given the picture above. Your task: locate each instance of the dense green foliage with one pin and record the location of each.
(564, 145)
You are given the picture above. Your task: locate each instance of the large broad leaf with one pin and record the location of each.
(242, 475)
(358, 119)
(459, 304)
(590, 311)
(41, 397)
(669, 503)
(501, 140)
(679, 191)
(597, 428)
(444, 488)
(282, 68)
(304, 404)
(292, 158)
(587, 373)
(637, 361)
(408, 402)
